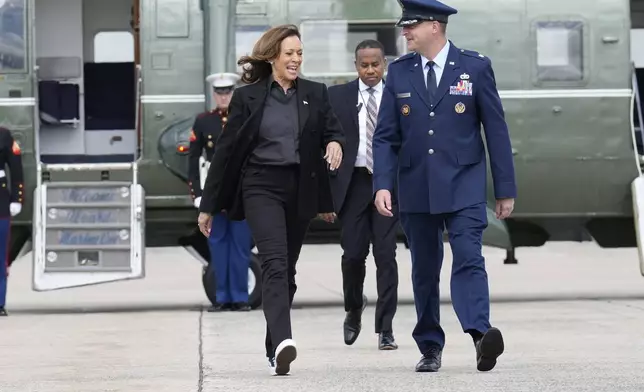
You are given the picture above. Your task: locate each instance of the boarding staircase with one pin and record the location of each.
(89, 225)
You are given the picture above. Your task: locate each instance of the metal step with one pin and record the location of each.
(88, 225)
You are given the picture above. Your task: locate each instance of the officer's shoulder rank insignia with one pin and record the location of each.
(405, 110)
(459, 108)
(15, 148)
(404, 57)
(193, 137)
(471, 53)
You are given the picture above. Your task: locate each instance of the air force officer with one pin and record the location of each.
(429, 136)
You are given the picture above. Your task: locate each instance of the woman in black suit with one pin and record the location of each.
(270, 167)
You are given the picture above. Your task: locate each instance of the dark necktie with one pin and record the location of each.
(431, 82)
(372, 117)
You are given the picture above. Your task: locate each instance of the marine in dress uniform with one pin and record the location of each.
(10, 203)
(429, 137)
(230, 241)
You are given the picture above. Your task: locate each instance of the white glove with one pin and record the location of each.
(15, 208)
(197, 202)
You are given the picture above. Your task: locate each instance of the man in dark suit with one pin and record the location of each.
(356, 105)
(428, 138)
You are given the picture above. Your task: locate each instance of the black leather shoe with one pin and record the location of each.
(488, 349)
(217, 307)
(3, 312)
(241, 307)
(431, 360)
(353, 323)
(386, 341)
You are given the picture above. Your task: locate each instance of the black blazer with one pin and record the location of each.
(318, 127)
(344, 100)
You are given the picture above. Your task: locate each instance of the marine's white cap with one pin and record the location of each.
(223, 79)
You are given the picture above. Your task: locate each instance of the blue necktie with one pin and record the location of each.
(431, 82)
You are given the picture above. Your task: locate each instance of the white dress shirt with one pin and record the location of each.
(363, 98)
(439, 66)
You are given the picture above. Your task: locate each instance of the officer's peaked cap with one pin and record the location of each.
(416, 11)
(223, 79)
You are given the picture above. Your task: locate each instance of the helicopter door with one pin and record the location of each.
(637, 188)
(88, 225)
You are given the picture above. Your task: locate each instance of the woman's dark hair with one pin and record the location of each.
(256, 66)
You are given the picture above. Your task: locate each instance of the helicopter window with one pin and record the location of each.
(330, 44)
(559, 51)
(113, 47)
(637, 14)
(12, 35)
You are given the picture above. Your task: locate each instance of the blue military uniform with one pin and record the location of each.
(230, 241)
(10, 203)
(429, 137)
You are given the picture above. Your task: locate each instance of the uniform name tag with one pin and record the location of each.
(403, 95)
(464, 87)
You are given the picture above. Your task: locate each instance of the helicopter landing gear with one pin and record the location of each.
(510, 258)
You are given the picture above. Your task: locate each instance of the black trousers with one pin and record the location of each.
(362, 224)
(271, 209)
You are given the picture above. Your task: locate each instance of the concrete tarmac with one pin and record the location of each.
(571, 315)
(593, 346)
(557, 271)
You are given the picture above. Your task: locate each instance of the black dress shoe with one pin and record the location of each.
(217, 307)
(386, 341)
(3, 312)
(353, 323)
(241, 307)
(488, 349)
(431, 360)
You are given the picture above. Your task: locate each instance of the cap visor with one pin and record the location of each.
(407, 21)
(223, 90)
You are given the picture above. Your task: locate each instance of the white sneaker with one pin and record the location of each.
(284, 355)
